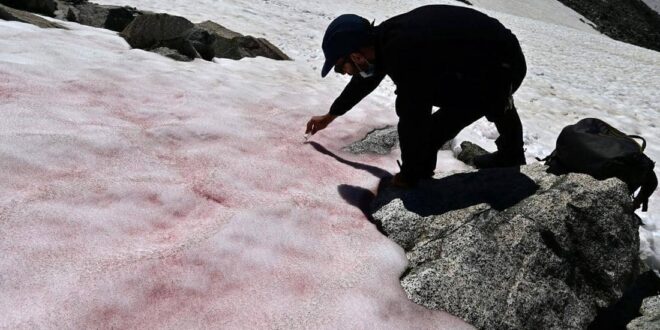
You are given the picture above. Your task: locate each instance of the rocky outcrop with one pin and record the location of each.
(630, 21)
(113, 18)
(205, 40)
(172, 36)
(43, 7)
(650, 319)
(10, 14)
(233, 45)
(157, 31)
(514, 248)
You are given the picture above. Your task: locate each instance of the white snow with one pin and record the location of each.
(139, 192)
(653, 4)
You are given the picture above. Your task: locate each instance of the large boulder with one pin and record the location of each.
(514, 248)
(155, 31)
(10, 14)
(43, 7)
(233, 45)
(148, 31)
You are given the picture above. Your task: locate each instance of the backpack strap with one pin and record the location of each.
(649, 185)
(641, 138)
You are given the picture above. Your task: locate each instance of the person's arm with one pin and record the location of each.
(353, 93)
(356, 90)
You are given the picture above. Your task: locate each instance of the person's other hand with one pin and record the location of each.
(318, 123)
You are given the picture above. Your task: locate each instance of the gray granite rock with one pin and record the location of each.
(650, 319)
(11, 14)
(514, 248)
(379, 141)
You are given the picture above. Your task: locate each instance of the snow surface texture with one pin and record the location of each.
(653, 4)
(140, 192)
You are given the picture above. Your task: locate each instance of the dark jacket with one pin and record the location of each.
(440, 55)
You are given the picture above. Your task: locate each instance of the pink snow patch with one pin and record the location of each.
(138, 192)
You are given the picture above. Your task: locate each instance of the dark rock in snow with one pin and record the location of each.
(153, 31)
(10, 14)
(469, 151)
(206, 40)
(193, 43)
(514, 248)
(379, 141)
(650, 319)
(233, 45)
(113, 18)
(148, 31)
(43, 7)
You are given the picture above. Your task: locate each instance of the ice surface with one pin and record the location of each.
(139, 192)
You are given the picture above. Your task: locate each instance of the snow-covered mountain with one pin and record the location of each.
(140, 192)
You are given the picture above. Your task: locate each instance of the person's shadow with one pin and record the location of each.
(501, 188)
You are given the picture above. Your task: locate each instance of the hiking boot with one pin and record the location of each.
(498, 159)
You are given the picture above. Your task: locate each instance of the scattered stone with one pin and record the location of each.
(10, 14)
(379, 141)
(151, 31)
(469, 151)
(650, 319)
(514, 248)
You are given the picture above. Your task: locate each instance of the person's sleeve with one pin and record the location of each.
(357, 89)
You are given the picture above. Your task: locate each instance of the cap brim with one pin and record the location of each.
(326, 68)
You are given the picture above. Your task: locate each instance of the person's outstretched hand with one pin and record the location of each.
(318, 123)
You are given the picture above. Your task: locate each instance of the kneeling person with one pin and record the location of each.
(458, 59)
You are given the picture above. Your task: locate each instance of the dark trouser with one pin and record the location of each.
(420, 140)
(489, 95)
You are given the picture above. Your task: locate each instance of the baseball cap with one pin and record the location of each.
(345, 34)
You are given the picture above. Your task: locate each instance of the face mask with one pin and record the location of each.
(371, 69)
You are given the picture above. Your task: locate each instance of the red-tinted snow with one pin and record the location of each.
(139, 192)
